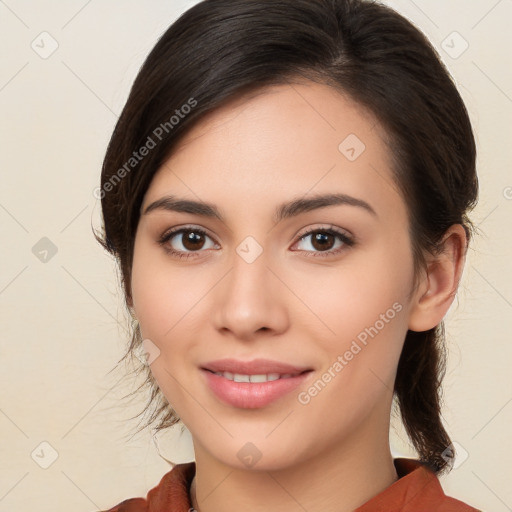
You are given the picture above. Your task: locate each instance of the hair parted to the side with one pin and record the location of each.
(222, 49)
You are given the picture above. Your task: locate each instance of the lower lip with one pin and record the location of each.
(247, 395)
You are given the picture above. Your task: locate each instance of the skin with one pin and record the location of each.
(288, 305)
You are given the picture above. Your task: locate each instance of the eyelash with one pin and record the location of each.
(331, 230)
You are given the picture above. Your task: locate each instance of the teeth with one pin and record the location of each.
(238, 377)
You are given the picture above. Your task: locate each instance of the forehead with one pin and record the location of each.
(278, 142)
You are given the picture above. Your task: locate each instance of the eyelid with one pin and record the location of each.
(325, 227)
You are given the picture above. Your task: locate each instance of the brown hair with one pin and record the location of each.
(220, 49)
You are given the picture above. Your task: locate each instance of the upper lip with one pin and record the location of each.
(254, 367)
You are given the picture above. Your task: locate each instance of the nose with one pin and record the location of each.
(250, 300)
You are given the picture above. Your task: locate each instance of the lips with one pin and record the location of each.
(253, 384)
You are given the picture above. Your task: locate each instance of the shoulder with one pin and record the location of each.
(172, 490)
(417, 490)
(425, 484)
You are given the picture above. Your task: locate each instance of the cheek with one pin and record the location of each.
(163, 296)
(353, 295)
(361, 306)
(366, 322)
(163, 301)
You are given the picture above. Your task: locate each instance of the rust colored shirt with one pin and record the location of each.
(417, 490)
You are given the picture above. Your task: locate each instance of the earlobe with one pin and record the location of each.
(440, 282)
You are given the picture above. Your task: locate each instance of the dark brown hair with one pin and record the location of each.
(222, 49)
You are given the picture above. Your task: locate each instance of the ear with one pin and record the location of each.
(438, 286)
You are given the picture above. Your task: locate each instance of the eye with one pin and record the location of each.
(183, 242)
(325, 241)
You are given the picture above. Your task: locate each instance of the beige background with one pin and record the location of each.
(62, 319)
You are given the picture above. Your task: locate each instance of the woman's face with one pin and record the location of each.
(279, 274)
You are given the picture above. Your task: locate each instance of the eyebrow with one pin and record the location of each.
(283, 211)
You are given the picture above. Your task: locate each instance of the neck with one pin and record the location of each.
(338, 480)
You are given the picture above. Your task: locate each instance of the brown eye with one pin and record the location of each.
(322, 241)
(186, 241)
(192, 240)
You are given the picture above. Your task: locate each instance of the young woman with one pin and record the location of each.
(286, 192)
